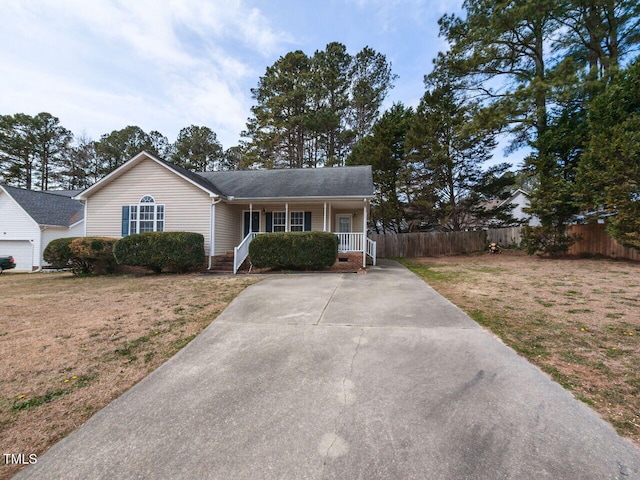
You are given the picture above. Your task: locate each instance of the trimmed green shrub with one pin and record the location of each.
(92, 255)
(294, 250)
(170, 251)
(57, 252)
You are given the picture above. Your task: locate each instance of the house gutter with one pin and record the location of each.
(282, 199)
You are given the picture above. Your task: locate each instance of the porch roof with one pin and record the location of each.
(337, 182)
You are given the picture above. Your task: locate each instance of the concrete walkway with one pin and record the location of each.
(343, 376)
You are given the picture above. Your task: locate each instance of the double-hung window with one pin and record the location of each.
(147, 216)
(297, 222)
(279, 221)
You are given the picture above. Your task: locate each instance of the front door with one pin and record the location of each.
(344, 227)
(344, 223)
(255, 222)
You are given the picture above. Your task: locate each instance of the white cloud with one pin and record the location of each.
(159, 64)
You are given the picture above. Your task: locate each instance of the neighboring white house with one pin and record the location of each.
(29, 220)
(229, 208)
(520, 200)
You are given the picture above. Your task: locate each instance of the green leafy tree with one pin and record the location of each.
(198, 149)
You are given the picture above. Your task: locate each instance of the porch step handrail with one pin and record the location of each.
(241, 252)
(371, 249)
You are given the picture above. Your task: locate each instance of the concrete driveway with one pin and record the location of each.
(343, 376)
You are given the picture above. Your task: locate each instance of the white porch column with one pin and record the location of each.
(286, 217)
(364, 235)
(250, 217)
(324, 224)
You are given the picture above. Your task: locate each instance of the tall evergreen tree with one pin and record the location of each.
(17, 156)
(371, 80)
(309, 111)
(115, 148)
(330, 83)
(197, 149)
(609, 174)
(447, 151)
(385, 151)
(52, 144)
(32, 149)
(81, 167)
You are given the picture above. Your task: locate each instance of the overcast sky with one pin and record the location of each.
(100, 65)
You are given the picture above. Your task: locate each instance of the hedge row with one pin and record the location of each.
(171, 251)
(83, 255)
(294, 250)
(168, 251)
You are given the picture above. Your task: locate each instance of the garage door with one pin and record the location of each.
(20, 250)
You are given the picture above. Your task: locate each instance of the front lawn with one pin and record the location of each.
(71, 345)
(577, 319)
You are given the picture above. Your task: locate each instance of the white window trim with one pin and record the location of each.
(135, 222)
(291, 224)
(288, 224)
(273, 221)
(249, 212)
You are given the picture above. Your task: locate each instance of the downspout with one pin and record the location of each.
(212, 230)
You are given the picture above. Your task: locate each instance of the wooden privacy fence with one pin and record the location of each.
(505, 237)
(428, 244)
(594, 240)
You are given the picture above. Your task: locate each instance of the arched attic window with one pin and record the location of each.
(146, 216)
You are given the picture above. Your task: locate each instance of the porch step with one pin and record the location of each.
(222, 263)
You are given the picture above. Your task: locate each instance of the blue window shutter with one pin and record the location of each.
(307, 221)
(125, 220)
(269, 227)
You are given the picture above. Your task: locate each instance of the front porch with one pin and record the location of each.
(348, 243)
(347, 218)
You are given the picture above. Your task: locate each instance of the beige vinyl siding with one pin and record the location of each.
(228, 227)
(187, 208)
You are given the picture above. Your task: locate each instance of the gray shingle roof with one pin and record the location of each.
(294, 183)
(194, 177)
(48, 208)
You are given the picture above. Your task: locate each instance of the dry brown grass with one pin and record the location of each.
(71, 345)
(577, 319)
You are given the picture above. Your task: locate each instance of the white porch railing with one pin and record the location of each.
(349, 242)
(241, 252)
